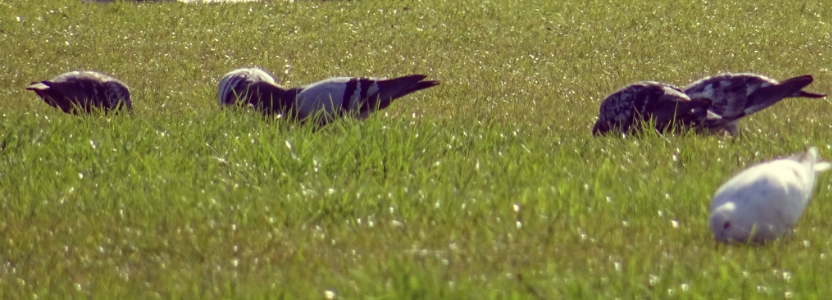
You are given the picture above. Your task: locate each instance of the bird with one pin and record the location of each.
(765, 201)
(324, 100)
(625, 110)
(83, 91)
(741, 94)
(362, 96)
(236, 86)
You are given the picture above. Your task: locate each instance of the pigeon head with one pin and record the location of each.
(601, 127)
(117, 95)
(720, 222)
(729, 225)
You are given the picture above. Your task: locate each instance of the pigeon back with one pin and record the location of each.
(736, 95)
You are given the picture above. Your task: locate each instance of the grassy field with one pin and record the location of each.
(488, 186)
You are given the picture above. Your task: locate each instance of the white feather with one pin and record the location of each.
(765, 201)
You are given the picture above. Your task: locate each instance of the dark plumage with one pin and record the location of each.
(81, 91)
(236, 86)
(736, 95)
(625, 110)
(331, 97)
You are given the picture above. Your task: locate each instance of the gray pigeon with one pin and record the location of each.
(82, 91)
(628, 108)
(333, 97)
(741, 94)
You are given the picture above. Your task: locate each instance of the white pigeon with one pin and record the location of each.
(736, 95)
(763, 202)
(78, 91)
(333, 97)
(625, 110)
(236, 86)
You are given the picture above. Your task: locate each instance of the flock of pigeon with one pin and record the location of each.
(323, 101)
(758, 205)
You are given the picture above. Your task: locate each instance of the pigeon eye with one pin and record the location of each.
(727, 224)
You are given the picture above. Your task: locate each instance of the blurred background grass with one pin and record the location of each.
(487, 186)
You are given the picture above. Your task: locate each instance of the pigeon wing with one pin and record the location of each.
(326, 96)
(72, 94)
(728, 93)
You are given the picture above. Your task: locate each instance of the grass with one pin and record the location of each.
(488, 186)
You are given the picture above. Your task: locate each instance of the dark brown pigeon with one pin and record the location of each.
(742, 94)
(333, 97)
(628, 108)
(82, 91)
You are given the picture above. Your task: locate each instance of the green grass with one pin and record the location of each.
(488, 186)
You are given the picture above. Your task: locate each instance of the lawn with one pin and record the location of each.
(488, 186)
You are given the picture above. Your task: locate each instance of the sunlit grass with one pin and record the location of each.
(489, 185)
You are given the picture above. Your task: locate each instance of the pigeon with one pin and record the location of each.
(337, 96)
(236, 86)
(763, 202)
(734, 95)
(627, 109)
(78, 91)
(351, 94)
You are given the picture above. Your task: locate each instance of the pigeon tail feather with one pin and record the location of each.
(764, 97)
(37, 86)
(392, 89)
(812, 159)
(809, 95)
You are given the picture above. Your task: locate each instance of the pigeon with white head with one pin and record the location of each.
(324, 100)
